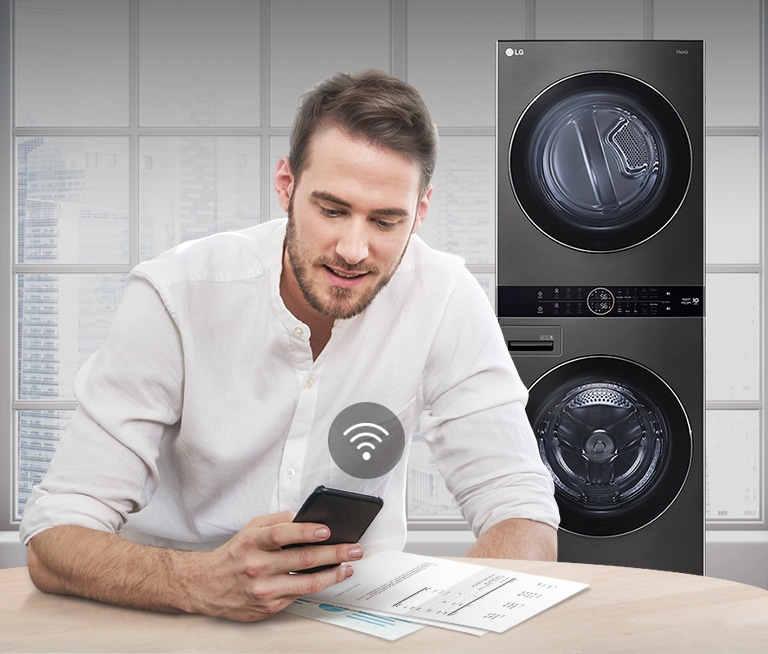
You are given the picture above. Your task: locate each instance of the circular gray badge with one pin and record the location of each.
(366, 440)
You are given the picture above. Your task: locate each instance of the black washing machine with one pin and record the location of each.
(617, 407)
(600, 289)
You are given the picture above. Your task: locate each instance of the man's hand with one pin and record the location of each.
(246, 579)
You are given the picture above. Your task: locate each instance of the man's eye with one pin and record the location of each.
(331, 213)
(385, 224)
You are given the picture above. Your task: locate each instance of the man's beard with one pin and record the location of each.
(340, 305)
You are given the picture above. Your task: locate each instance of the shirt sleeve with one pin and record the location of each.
(476, 425)
(129, 395)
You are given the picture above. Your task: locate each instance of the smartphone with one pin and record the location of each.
(345, 513)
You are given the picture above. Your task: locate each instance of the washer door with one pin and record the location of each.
(600, 162)
(616, 440)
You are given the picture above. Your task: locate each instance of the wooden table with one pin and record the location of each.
(624, 610)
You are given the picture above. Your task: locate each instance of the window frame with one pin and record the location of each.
(7, 444)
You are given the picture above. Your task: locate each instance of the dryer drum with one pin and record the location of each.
(615, 440)
(600, 161)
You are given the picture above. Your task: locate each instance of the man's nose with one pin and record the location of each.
(352, 245)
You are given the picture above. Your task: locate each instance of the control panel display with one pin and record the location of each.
(599, 301)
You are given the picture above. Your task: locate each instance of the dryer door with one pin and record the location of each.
(600, 161)
(616, 440)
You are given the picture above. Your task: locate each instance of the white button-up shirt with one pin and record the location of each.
(204, 408)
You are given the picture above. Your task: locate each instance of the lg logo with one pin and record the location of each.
(514, 52)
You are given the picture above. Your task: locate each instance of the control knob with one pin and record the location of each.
(600, 301)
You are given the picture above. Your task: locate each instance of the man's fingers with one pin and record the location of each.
(306, 558)
(297, 546)
(271, 519)
(317, 581)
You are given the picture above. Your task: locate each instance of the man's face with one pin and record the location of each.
(350, 217)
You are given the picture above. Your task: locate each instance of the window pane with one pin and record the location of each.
(199, 63)
(38, 433)
(733, 465)
(732, 33)
(733, 199)
(589, 19)
(62, 320)
(733, 337)
(72, 196)
(72, 63)
(452, 55)
(311, 40)
(195, 186)
(461, 217)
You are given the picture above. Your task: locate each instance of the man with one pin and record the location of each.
(203, 421)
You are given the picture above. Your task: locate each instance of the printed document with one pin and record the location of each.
(444, 592)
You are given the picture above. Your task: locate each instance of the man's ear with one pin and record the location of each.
(421, 210)
(284, 182)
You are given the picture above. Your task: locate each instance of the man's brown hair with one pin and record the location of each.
(371, 106)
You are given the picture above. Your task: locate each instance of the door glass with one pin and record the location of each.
(616, 441)
(600, 162)
(603, 443)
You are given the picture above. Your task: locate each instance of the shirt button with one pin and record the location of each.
(299, 331)
(310, 382)
(290, 473)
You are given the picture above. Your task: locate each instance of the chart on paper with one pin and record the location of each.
(436, 601)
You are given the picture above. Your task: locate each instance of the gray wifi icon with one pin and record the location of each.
(366, 440)
(366, 454)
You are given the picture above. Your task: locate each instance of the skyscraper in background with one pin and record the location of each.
(62, 317)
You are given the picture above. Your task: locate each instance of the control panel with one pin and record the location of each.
(599, 301)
